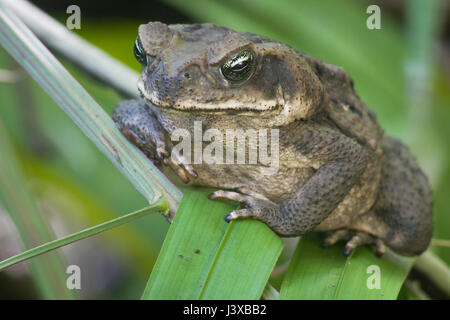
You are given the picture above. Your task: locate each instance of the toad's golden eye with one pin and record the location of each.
(240, 67)
(139, 52)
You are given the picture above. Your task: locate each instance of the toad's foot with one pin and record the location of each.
(256, 206)
(162, 154)
(354, 239)
(181, 167)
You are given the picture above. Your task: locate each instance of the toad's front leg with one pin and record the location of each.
(139, 124)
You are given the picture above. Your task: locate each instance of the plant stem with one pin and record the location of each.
(434, 269)
(440, 243)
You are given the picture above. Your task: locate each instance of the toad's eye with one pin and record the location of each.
(240, 67)
(139, 52)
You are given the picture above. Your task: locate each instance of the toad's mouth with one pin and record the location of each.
(151, 97)
(190, 105)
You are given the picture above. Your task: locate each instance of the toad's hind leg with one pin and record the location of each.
(402, 213)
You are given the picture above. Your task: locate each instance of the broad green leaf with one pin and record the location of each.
(316, 273)
(203, 257)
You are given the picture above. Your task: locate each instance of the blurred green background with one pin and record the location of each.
(401, 71)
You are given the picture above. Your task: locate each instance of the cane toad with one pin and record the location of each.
(336, 170)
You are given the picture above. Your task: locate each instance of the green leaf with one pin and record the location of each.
(203, 257)
(316, 273)
(158, 206)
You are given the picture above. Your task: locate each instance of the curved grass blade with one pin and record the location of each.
(158, 206)
(316, 273)
(203, 257)
(23, 45)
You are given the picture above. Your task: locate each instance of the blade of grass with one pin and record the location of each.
(423, 19)
(270, 293)
(316, 273)
(203, 257)
(67, 43)
(83, 110)
(81, 207)
(158, 206)
(48, 273)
